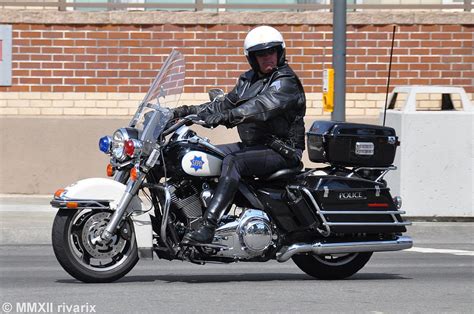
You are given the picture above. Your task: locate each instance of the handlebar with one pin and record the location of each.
(193, 118)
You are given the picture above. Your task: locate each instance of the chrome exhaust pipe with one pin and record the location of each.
(320, 248)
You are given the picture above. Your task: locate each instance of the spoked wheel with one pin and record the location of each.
(333, 266)
(76, 244)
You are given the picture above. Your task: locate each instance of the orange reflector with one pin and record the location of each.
(134, 174)
(377, 205)
(72, 204)
(58, 193)
(110, 170)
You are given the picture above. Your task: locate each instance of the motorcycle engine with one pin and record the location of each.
(247, 237)
(187, 201)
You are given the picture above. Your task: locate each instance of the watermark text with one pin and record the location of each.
(47, 307)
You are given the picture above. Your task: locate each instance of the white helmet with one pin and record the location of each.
(261, 38)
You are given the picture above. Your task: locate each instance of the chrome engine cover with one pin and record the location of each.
(247, 237)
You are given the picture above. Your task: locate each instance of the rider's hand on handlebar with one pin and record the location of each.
(215, 119)
(181, 112)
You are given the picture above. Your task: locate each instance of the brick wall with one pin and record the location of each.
(116, 58)
(99, 60)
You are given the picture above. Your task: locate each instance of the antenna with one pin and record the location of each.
(389, 72)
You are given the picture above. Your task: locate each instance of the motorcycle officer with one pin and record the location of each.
(267, 105)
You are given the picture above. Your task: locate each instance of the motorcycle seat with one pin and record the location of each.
(284, 174)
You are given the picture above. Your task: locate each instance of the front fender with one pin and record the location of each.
(102, 191)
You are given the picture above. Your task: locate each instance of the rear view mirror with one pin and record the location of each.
(216, 93)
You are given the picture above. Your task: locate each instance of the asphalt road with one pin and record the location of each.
(436, 276)
(394, 282)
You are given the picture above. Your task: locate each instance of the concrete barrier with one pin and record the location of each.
(435, 160)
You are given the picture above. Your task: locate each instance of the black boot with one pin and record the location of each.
(222, 198)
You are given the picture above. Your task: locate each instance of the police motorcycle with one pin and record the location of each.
(328, 220)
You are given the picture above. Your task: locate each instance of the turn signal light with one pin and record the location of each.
(72, 204)
(110, 170)
(58, 193)
(134, 174)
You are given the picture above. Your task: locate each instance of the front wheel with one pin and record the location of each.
(75, 243)
(333, 266)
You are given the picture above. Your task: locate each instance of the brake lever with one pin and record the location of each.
(194, 118)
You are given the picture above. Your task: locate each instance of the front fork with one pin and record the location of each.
(117, 216)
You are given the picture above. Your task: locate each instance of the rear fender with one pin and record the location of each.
(106, 193)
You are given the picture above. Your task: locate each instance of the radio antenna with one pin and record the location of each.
(389, 72)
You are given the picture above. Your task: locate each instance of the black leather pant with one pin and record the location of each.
(258, 161)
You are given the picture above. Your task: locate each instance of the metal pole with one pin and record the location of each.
(62, 5)
(467, 5)
(199, 4)
(339, 59)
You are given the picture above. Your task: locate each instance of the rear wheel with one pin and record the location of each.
(333, 266)
(75, 242)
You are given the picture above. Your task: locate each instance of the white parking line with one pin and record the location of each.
(441, 251)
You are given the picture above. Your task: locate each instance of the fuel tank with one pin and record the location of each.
(184, 158)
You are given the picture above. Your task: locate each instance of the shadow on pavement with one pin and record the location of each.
(225, 278)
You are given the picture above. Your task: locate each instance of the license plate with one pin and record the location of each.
(364, 148)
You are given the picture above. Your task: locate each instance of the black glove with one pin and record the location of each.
(214, 119)
(182, 111)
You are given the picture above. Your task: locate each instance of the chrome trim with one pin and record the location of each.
(206, 197)
(362, 212)
(397, 200)
(165, 213)
(380, 177)
(209, 146)
(138, 147)
(377, 191)
(117, 216)
(326, 191)
(62, 203)
(326, 232)
(181, 133)
(395, 223)
(153, 158)
(320, 248)
(327, 225)
(125, 137)
(247, 237)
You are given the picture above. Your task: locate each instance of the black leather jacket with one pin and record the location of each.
(262, 107)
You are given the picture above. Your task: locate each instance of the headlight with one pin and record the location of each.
(118, 142)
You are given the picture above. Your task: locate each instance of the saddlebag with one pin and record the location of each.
(289, 209)
(351, 144)
(351, 205)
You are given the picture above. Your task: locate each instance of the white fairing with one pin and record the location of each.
(95, 188)
(200, 164)
(110, 190)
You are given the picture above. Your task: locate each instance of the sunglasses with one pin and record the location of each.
(266, 52)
